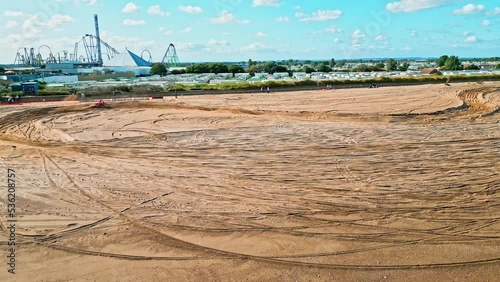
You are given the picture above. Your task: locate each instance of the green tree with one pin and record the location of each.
(158, 69)
(250, 63)
(361, 68)
(453, 63)
(198, 68)
(404, 66)
(41, 84)
(340, 64)
(218, 68)
(472, 67)
(440, 62)
(316, 65)
(191, 69)
(252, 70)
(308, 69)
(235, 69)
(280, 69)
(324, 68)
(178, 71)
(391, 65)
(498, 66)
(269, 67)
(332, 62)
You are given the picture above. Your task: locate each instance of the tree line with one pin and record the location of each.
(444, 62)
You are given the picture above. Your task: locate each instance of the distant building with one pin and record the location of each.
(487, 66)
(30, 88)
(14, 87)
(280, 75)
(60, 79)
(66, 68)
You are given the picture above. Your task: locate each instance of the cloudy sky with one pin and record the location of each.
(233, 30)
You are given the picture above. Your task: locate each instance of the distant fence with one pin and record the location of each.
(37, 99)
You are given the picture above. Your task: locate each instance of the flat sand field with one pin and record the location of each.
(387, 184)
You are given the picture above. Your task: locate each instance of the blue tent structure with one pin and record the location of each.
(127, 59)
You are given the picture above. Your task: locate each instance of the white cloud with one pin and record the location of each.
(408, 6)
(330, 29)
(188, 29)
(79, 2)
(300, 15)
(131, 22)
(213, 42)
(33, 24)
(25, 39)
(323, 15)
(133, 43)
(413, 33)
(297, 7)
(495, 11)
(471, 39)
(9, 13)
(486, 23)
(58, 20)
(337, 40)
(155, 10)
(33, 30)
(189, 46)
(11, 24)
(226, 17)
(406, 48)
(261, 34)
(380, 37)
(469, 9)
(282, 19)
(356, 46)
(165, 31)
(256, 47)
(358, 34)
(191, 9)
(260, 3)
(130, 8)
(467, 33)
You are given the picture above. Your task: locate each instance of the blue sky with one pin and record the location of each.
(234, 30)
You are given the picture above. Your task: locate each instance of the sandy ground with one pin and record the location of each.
(387, 184)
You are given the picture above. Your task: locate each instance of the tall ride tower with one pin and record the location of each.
(99, 51)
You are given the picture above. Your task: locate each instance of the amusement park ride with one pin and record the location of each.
(95, 49)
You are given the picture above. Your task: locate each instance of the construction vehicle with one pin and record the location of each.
(101, 104)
